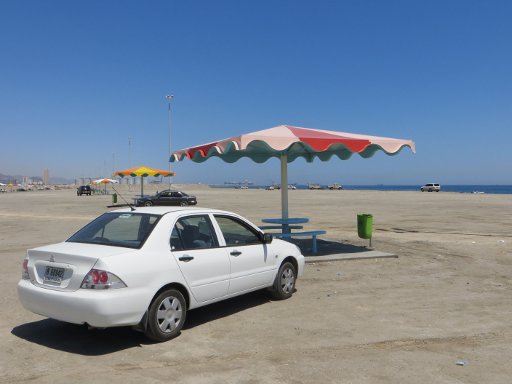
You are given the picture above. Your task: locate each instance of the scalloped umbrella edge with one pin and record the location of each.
(288, 143)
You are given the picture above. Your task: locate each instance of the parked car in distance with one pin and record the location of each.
(83, 190)
(149, 266)
(335, 186)
(431, 187)
(167, 197)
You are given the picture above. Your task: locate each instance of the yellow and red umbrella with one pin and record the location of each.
(142, 172)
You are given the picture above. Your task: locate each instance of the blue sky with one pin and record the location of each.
(79, 78)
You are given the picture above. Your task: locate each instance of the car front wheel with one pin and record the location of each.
(166, 316)
(284, 284)
(183, 204)
(148, 203)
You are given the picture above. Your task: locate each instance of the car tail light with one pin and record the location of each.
(24, 270)
(98, 279)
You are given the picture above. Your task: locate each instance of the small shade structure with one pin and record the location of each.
(288, 143)
(142, 172)
(105, 181)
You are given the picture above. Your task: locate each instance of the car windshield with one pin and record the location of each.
(119, 229)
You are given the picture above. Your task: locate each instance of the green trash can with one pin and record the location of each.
(364, 225)
(114, 198)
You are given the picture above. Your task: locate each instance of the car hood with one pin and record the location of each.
(147, 197)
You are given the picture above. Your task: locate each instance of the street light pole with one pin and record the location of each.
(169, 99)
(129, 156)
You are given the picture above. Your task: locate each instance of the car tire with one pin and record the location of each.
(284, 283)
(166, 316)
(183, 204)
(148, 203)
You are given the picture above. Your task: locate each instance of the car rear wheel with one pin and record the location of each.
(148, 203)
(166, 315)
(284, 284)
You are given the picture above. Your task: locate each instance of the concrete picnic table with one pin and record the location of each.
(287, 224)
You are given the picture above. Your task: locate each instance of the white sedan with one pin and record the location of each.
(147, 267)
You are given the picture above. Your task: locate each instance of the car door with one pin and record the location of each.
(163, 198)
(252, 264)
(205, 266)
(176, 198)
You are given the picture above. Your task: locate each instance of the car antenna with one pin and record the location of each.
(122, 197)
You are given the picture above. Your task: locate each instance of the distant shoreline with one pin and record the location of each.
(462, 188)
(153, 188)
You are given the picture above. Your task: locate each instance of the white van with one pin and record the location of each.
(431, 187)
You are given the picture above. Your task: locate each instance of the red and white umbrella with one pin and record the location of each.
(288, 143)
(105, 181)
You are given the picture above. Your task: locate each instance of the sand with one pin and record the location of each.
(438, 313)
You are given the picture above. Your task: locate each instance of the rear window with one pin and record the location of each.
(126, 229)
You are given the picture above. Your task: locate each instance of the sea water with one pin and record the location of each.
(495, 189)
(489, 189)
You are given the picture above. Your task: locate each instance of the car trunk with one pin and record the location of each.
(63, 266)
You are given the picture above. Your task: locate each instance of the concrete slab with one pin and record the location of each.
(350, 256)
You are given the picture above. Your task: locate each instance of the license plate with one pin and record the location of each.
(53, 274)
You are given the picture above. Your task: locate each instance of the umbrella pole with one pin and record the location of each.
(284, 189)
(142, 186)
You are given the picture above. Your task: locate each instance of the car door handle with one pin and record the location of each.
(235, 253)
(186, 259)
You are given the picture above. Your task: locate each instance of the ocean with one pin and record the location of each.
(489, 189)
(494, 189)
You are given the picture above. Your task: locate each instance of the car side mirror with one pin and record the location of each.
(267, 238)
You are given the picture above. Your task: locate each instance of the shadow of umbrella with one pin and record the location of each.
(143, 172)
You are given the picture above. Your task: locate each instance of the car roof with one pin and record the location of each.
(162, 210)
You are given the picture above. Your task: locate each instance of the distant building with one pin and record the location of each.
(46, 176)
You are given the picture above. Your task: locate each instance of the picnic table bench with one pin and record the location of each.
(280, 227)
(313, 234)
(286, 224)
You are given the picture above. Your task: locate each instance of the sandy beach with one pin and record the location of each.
(440, 312)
